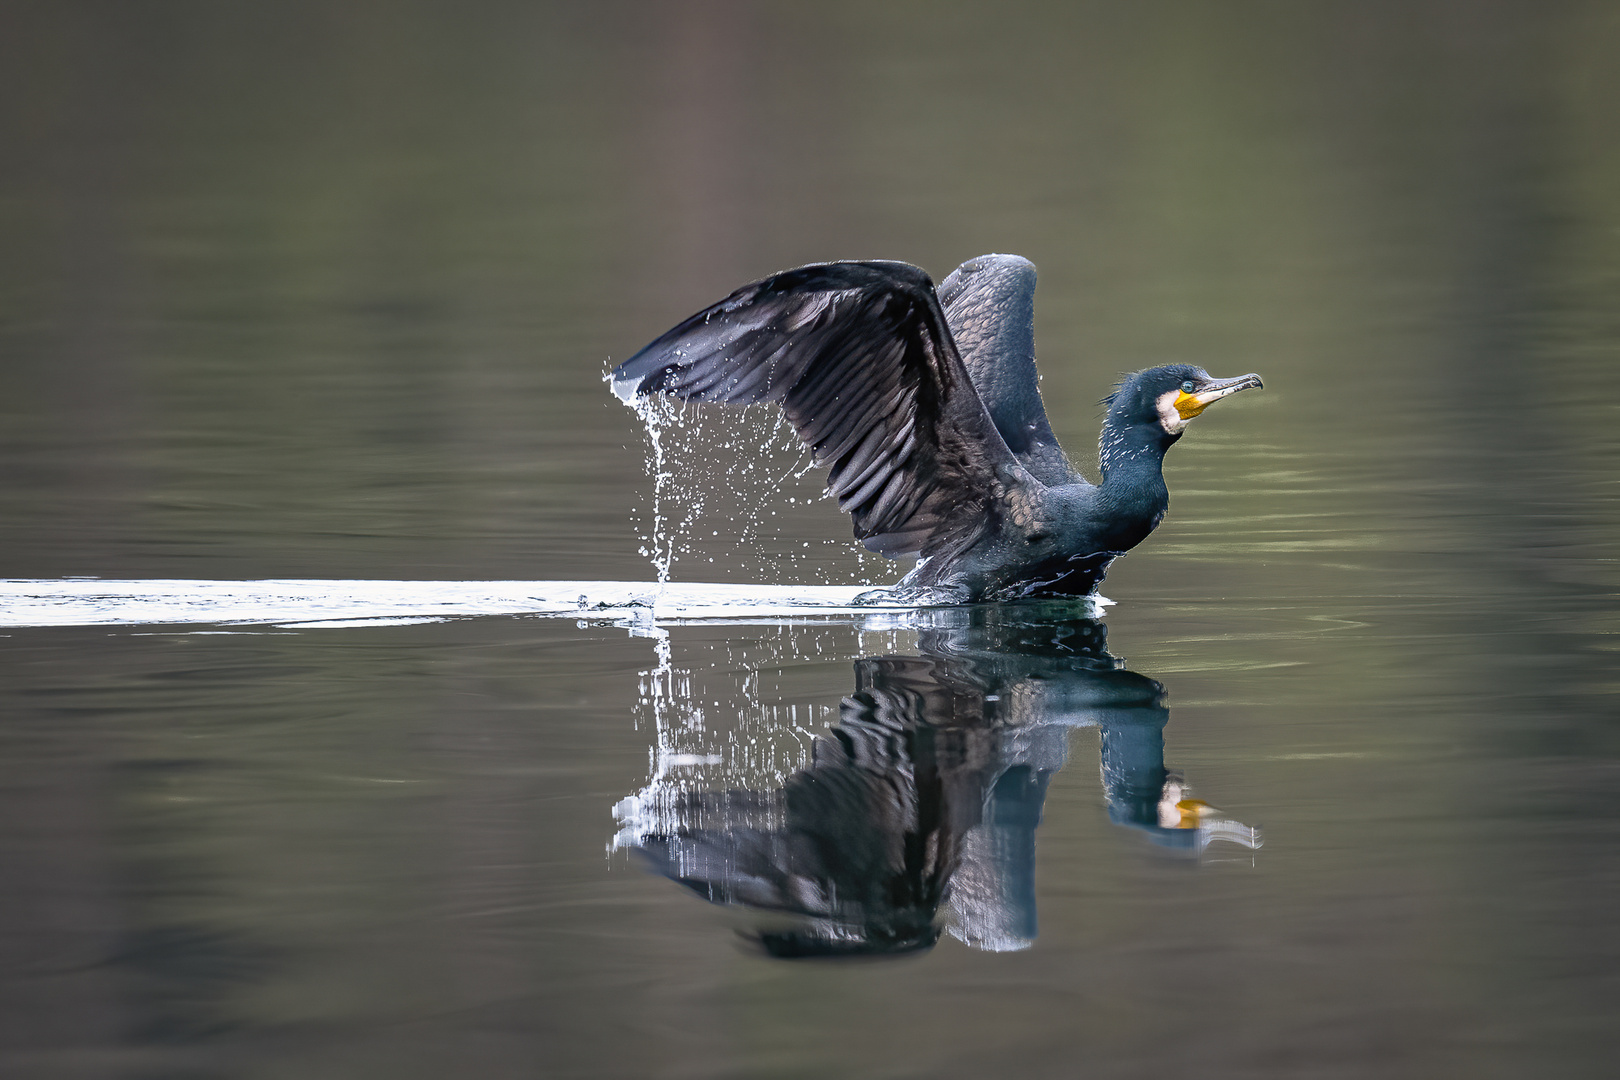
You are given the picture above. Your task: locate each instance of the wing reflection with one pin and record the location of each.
(916, 811)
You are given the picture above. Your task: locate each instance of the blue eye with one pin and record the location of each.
(1188, 387)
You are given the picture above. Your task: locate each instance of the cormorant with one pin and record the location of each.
(925, 408)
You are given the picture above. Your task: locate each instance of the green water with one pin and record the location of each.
(328, 292)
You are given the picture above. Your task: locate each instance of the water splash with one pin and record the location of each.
(708, 766)
(658, 415)
(737, 494)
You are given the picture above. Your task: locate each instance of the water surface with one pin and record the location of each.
(314, 305)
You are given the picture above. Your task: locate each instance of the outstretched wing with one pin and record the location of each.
(989, 305)
(859, 355)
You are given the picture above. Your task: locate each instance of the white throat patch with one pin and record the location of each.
(1169, 416)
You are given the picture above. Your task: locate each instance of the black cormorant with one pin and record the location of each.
(924, 406)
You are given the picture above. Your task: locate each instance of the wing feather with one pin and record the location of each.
(861, 358)
(989, 304)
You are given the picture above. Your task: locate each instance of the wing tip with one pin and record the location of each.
(625, 388)
(999, 268)
(640, 375)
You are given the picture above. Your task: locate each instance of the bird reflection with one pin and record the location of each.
(915, 813)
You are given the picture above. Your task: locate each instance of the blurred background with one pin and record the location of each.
(329, 290)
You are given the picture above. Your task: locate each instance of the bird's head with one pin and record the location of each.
(1171, 395)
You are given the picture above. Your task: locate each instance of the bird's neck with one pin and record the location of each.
(1131, 458)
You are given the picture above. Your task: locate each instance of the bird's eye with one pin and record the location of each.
(1188, 387)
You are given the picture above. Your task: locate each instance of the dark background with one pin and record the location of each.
(328, 290)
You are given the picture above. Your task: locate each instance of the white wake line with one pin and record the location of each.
(309, 602)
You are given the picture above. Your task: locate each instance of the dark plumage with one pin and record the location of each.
(925, 408)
